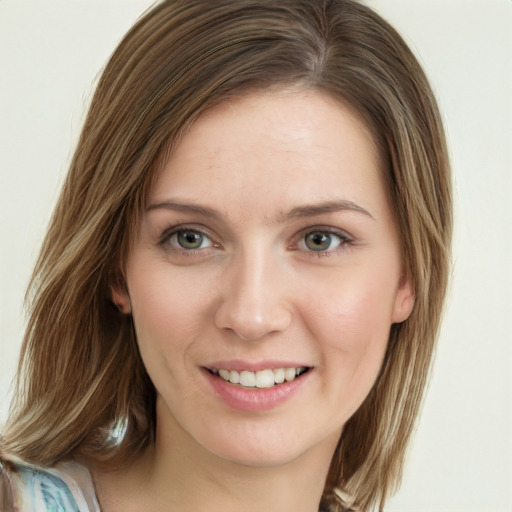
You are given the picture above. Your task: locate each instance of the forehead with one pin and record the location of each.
(275, 149)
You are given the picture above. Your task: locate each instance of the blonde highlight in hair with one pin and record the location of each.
(80, 370)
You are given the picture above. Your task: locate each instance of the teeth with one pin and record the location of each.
(279, 376)
(289, 374)
(261, 379)
(248, 379)
(224, 374)
(265, 379)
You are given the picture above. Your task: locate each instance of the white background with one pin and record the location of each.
(461, 460)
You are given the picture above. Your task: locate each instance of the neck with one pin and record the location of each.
(179, 474)
(217, 485)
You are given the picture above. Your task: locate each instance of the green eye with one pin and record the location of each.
(321, 241)
(187, 239)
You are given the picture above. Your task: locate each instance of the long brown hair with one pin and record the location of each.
(80, 370)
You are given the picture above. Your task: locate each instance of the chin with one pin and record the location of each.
(257, 456)
(272, 446)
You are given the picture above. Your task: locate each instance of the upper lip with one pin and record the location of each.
(239, 365)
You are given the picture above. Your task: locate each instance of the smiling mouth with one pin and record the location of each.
(261, 379)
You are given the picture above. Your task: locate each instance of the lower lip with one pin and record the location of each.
(255, 399)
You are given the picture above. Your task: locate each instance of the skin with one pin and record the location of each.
(257, 288)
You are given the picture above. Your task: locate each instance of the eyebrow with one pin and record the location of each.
(326, 207)
(204, 211)
(298, 212)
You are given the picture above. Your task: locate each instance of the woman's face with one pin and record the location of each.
(268, 253)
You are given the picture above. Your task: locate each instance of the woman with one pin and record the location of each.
(237, 300)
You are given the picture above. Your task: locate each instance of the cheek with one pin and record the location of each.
(356, 307)
(166, 303)
(351, 323)
(356, 332)
(169, 312)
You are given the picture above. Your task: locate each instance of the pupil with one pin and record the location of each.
(318, 241)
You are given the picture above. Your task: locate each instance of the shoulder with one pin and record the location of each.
(65, 488)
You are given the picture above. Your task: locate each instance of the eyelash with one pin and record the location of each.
(344, 241)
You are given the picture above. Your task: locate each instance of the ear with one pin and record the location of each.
(404, 300)
(120, 296)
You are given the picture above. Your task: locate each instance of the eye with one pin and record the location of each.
(189, 239)
(322, 241)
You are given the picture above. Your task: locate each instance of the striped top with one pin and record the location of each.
(66, 488)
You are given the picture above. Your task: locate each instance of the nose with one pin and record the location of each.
(254, 295)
